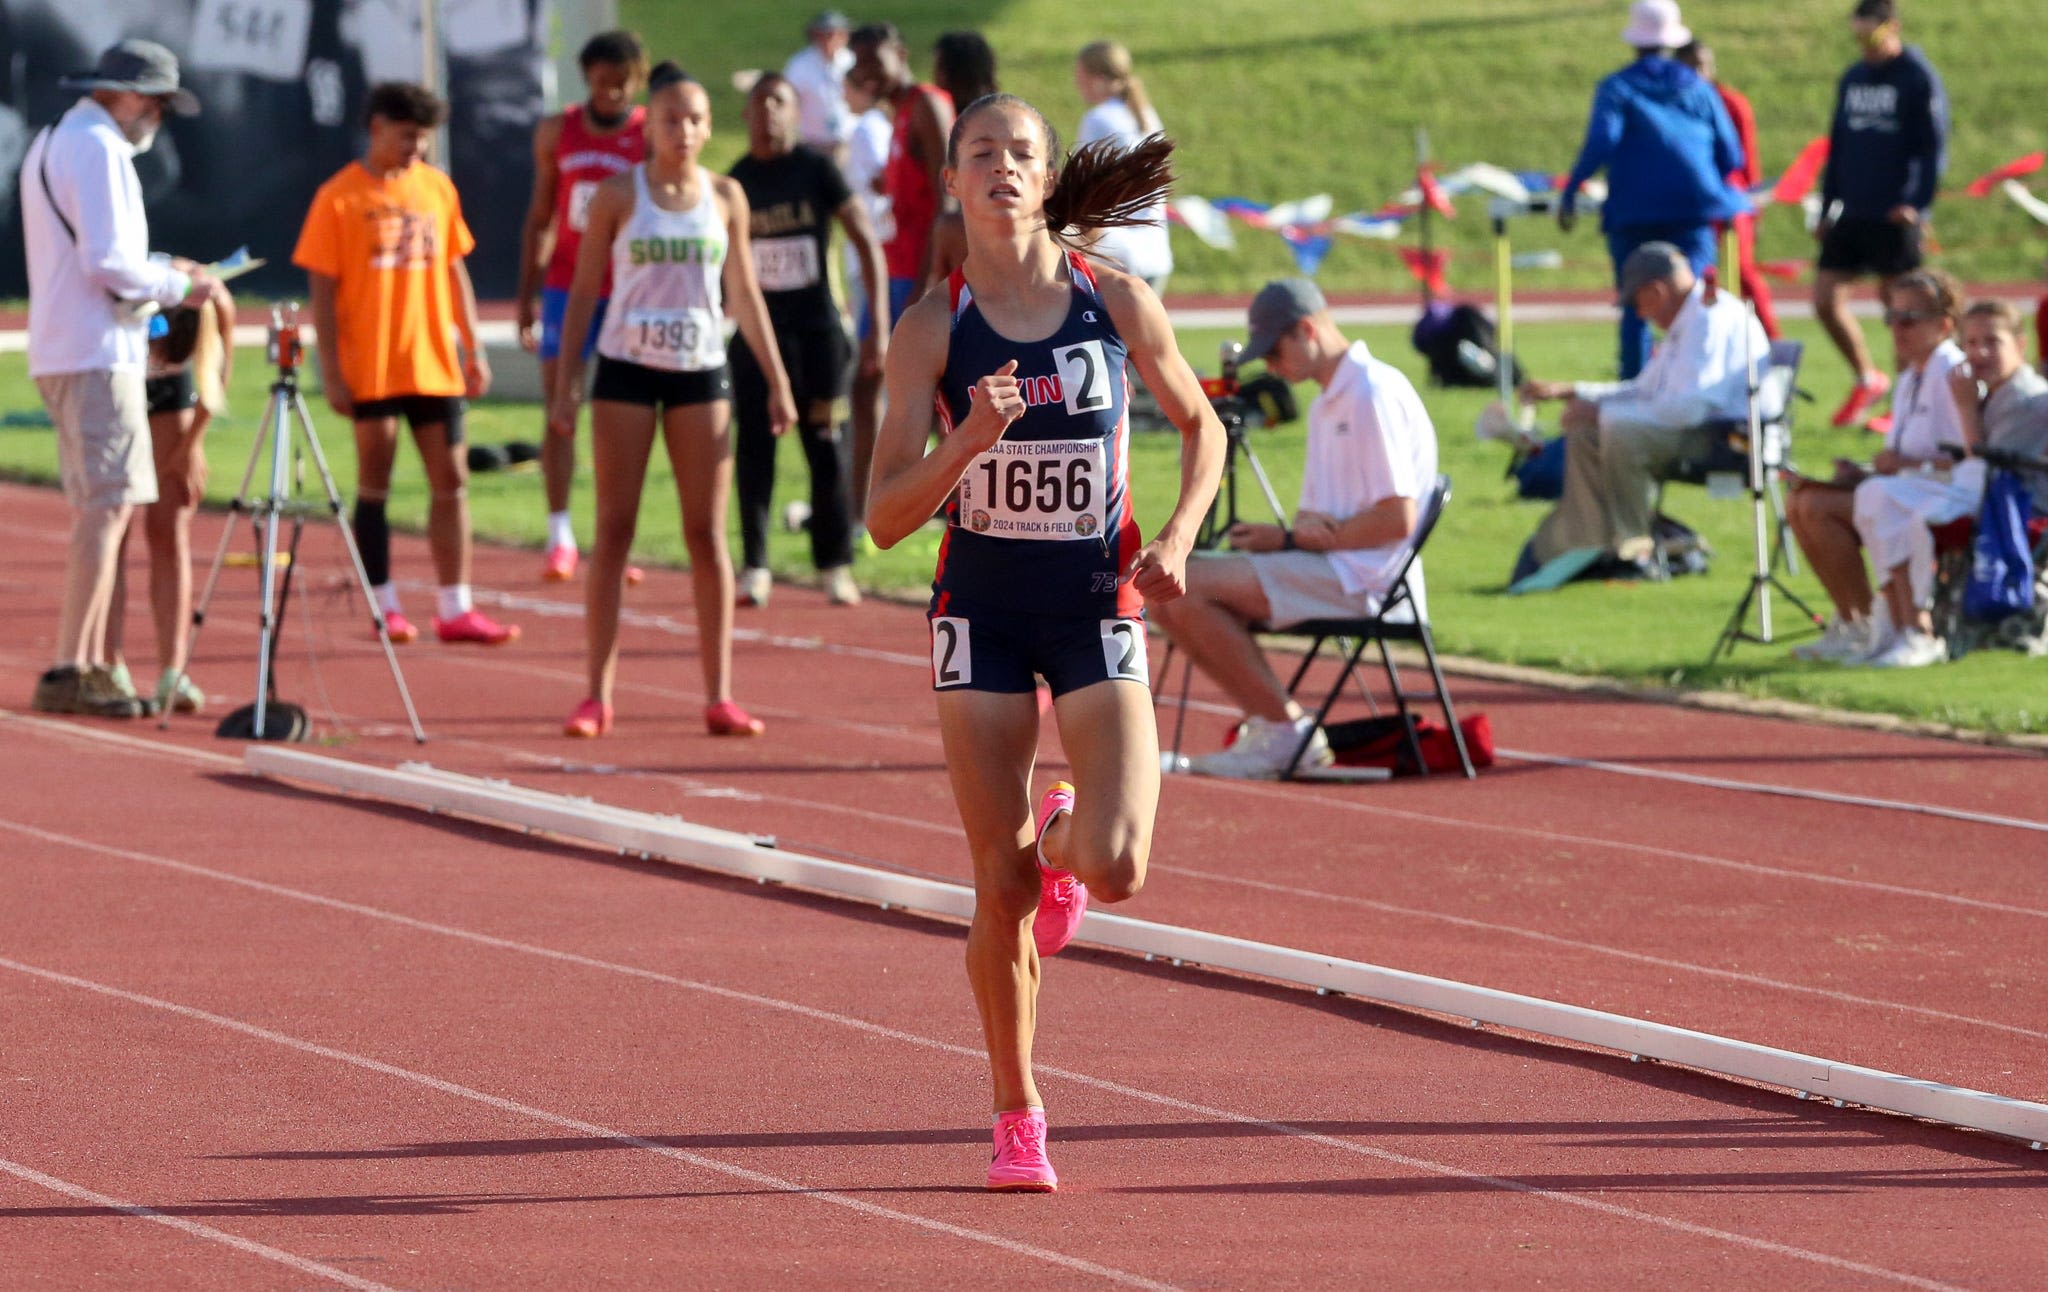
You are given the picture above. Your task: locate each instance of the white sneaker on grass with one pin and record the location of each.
(1264, 750)
(1843, 641)
(1911, 649)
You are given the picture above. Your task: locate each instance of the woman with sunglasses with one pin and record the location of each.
(1922, 310)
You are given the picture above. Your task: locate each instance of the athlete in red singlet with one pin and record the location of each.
(917, 155)
(573, 152)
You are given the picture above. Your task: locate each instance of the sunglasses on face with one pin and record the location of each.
(1899, 318)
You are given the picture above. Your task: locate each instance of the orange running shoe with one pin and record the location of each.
(1862, 398)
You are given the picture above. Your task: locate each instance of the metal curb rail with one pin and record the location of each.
(673, 839)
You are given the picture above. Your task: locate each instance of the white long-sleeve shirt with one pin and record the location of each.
(1143, 250)
(81, 290)
(823, 120)
(1695, 376)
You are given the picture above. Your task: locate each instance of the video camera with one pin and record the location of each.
(285, 349)
(1264, 400)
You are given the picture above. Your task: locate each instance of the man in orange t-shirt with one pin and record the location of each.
(383, 245)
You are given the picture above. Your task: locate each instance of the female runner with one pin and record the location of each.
(1042, 571)
(675, 235)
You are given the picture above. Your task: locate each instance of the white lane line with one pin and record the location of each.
(1781, 791)
(592, 1130)
(971, 1054)
(194, 1228)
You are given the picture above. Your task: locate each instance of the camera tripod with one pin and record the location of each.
(288, 434)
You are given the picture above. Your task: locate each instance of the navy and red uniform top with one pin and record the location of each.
(1041, 523)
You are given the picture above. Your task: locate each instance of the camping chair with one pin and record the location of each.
(1720, 456)
(1400, 618)
(1955, 553)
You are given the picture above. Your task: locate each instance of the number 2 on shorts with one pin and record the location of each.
(952, 656)
(1123, 649)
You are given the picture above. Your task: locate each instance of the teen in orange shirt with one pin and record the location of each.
(383, 247)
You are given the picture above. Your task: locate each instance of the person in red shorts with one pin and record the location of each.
(573, 152)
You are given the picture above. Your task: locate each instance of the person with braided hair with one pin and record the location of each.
(1043, 572)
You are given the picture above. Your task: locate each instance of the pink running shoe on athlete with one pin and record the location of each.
(592, 719)
(1062, 899)
(399, 628)
(560, 565)
(1863, 397)
(726, 718)
(475, 626)
(1020, 1164)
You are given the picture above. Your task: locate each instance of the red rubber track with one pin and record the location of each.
(421, 1053)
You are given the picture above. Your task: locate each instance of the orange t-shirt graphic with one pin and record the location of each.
(388, 244)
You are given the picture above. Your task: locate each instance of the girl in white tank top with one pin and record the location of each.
(666, 309)
(662, 375)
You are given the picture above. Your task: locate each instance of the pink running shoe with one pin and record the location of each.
(635, 576)
(475, 626)
(592, 718)
(1862, 398)
(1020, 1164)
(560, 566)
(399, 628)
(1062, 899)
(726, 718)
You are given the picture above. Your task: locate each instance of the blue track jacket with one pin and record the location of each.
(1665, 139)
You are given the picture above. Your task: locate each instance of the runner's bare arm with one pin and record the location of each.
(874, 275)
(930, 122)
(327, 342)
(1160, 569)
(749, 311)
(909, 483)
(476, 366)
(537, 235)
(609, 207)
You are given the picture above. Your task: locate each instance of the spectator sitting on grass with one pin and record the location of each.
(1921, 310)
(1622, 437)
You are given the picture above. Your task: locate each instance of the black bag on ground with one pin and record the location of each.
(1459, 342)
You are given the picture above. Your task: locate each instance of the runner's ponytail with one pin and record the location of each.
(1107, 186)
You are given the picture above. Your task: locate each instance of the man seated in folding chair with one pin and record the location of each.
(1371, 462)
(1623, 438)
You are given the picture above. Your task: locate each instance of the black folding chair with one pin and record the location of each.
(1721, 449)
(1400, 619)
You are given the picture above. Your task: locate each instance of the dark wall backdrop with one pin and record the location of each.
(282, 85)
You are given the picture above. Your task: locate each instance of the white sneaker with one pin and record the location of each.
(754, 584)
(1911, 649)
(840, 589)
(1844, 640)
(1264, 751)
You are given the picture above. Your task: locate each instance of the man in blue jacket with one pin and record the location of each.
(1665, 140)
(1886, 151)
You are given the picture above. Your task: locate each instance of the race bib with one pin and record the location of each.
(674, 340)
(786, 264)
(580, 194)
(260, 38)
(1037, 489)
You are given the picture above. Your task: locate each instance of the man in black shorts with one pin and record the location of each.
(1886, 151)
(792, 192)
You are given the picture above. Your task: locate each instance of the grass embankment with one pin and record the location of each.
(1649, 634)
(1274, 101)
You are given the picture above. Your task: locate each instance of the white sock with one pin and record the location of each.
(455, 601)
(560, 534)
(387, 597)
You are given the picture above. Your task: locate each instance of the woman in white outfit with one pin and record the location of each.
(1923, 310)
(2001, 403)
(1119, 110)
(674, 238)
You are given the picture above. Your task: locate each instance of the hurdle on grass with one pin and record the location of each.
(756, 857)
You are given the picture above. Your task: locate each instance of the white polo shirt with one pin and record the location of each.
(1695, 375)
(73, 322)
(1369, 439)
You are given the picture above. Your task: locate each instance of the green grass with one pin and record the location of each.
(1655, 635)
(1273, 101)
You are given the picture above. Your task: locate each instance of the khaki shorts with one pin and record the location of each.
(103, 451)
(1304, 585)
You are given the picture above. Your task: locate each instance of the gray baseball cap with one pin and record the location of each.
(830, 20)
(1653, 262)
(140, 66)
(1279, 305)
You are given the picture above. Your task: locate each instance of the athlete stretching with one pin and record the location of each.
(1042, 571)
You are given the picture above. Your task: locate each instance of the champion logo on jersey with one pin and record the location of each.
(1088, 316)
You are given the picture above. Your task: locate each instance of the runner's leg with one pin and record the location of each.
(621, 438)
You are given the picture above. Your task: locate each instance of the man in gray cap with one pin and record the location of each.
(817, 73)
(1371, 462)
(1621, 438)
(92, 287)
